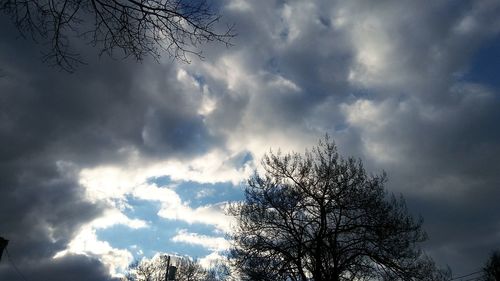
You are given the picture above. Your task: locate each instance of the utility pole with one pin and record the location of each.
(3, 245)
(168, 267)
(170, 271)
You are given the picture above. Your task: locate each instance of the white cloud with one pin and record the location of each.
(473, 22)
(87, 243)
(114, 182)
(373, 119)
(205, 192)
(379, 61)
(113, 217)
(212, 167)
(281, 84)
(173, 208)
(110, 182)
(209, 214)
(234, 71)
(208, 242)
(239, 5)
(211, 259)
(366, 113)
(198, 93)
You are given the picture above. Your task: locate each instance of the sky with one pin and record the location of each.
(122, 160)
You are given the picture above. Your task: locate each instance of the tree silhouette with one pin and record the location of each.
(3, 244)
(492, 268)
(186, 270)
(320, 217)
(220, 271)
(138, 28)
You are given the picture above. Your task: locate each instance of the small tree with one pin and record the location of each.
(320, 217)
(136, 27)
(219, 271)
(189, 270)
(186, 270)
(492, 268)
(145, 271)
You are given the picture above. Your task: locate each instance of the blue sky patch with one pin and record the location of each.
(485, 65)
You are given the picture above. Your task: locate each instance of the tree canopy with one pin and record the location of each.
(137, 28)
(317, 216)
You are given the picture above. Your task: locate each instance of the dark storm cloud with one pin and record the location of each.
(40, 210)
(445, 161)
(401, 84)
(188, 136)
(53, 123)
(396, 83)
(390, 81)
(79, 268)
(436, 134)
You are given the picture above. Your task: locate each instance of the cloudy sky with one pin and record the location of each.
(121, 160)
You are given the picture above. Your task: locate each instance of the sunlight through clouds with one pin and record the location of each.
(87, 243)
(123, 160)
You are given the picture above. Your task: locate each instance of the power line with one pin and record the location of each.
(14, 265)
(467, 275)
(475, 278)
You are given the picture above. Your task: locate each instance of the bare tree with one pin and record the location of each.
(319, 217)
(220, 271)
(146, 270)
(492, 268)
(189, 270)
(137, 28)
(186, 270)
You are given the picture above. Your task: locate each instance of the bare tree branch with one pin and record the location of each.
(136, 28)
